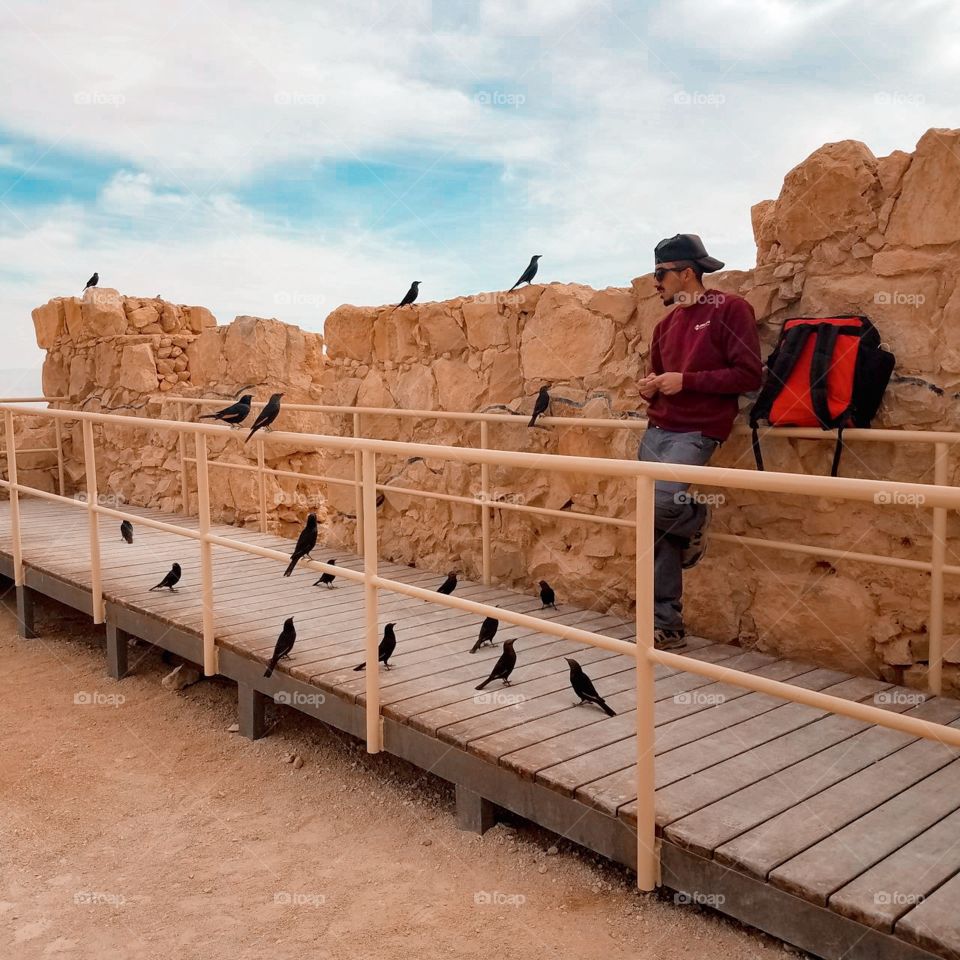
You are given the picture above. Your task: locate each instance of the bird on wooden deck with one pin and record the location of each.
(583, 687)
(385, 651)
(235, 414)
(448, 585)
(170, 580)
(284, 645)
(540, 406)
(126, 530)
(93, 281)
(305, 544)
(503, 667)
(327, 578)
(488, 630)
(410, 295)
(531, 271)
(547, 596)
(269, 413)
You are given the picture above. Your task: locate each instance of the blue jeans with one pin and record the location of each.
(676, 519)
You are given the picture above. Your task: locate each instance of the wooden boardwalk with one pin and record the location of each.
(837, 836)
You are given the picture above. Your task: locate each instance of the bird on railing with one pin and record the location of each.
(284, 645)
(170, 580)
(233, 415)
(540, 406)
(410, 295)
(305, 544)
(93, 281)
(583, 687)
(448, 585)
(126, 531)
(528, 274)
(503, 667)
(547, 596)
(267, 415)
(327, 578)
(488, 630)
(385, 651)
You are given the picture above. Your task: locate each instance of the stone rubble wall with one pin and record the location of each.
(849, 233)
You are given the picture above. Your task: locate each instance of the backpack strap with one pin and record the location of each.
(837, 450)
(755, 438)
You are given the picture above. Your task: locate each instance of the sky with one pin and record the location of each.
(279, 159)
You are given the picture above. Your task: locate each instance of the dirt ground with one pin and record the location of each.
(135, 825)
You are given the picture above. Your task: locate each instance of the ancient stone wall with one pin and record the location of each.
(849, 233)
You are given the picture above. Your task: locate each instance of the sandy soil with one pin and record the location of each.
(136, 826)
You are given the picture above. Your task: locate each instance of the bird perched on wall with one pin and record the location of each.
(385, 651)
(583, 687)
(503, 667)
(488, 630)
(448, 585)
(126, 531)
(547, 596)
(235, 414)
(93, 281)
(327, 578)
(410, 295)
(540, 406)
(269, 413)
(170, 580)
(284, 645)
(305, 543)
(528, 274)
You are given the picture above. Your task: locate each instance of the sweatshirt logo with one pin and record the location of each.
(700, 326)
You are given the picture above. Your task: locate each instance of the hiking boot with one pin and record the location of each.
(668, 639)
(694, 551)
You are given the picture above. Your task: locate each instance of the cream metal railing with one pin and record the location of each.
(642, 474)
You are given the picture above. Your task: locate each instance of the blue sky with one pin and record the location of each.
(280, 159)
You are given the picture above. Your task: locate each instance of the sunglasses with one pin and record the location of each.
(661, 272)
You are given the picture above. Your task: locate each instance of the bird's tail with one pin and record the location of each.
(270, 668)
(514, 287)
(475, 647)
(208, 416)
(251, 433)
(485, 682)
(362, 666)
(294, 560)
(602, 704)
(533, 421)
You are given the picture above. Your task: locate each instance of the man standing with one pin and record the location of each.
(705, 353)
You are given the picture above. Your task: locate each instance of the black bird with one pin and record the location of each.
(126, 531)
(385, 651)
(235, 414)
(93, 281)
(488, 630)
(530, 272)
(267, 415)
(327, 578)
(305, 544)
(547, 596)
(541, 404)
(504, 666)
(448, 585)
(284, 645)
(583, 687)
(410, 295)
(170, 580)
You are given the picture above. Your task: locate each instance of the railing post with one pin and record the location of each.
(210, 657)
(937, 559)
(96, 577)
(369, 479)
(59, 436)
(485, 507)
(14, 497)
(357, 490)
(261, 478)
(648, 860)
(184, 489)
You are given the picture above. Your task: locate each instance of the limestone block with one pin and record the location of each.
(138, 368)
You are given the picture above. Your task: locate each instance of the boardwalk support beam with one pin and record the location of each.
(251, 703)
(474, 813)
(25, 619)
(117, 647)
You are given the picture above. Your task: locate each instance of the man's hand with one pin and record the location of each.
(648, 388)
(667, 383)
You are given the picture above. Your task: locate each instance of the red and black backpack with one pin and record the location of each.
(827, 372)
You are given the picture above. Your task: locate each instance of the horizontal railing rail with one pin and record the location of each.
(643, 652)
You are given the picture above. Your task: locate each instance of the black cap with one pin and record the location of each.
(686, 246)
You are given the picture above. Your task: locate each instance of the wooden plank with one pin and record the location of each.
(935, 924)
(868, 837)
(905, 877)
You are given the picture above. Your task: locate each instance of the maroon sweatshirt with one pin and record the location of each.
(714, 344)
